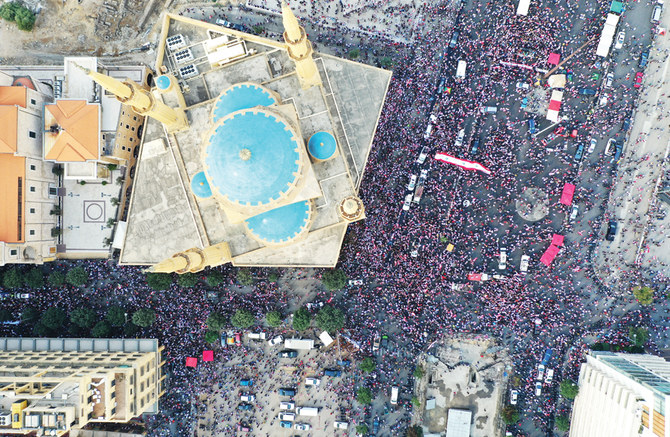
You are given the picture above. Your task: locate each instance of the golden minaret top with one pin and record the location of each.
(299, 49)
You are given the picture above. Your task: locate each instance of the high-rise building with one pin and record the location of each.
(52, 385)
(622, 395)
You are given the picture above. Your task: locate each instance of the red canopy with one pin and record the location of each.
(549, 255)
(208, 355)
(557, 240)
(554, 58)
(554, 105)
(191, 362)
(568, 192)
(474, 276)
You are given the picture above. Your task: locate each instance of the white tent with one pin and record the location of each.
(522, 9)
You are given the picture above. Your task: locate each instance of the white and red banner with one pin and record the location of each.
(462, 163)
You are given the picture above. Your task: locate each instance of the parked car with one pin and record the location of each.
(406, 204)
(246, 382)
(524, 102)
(522, 86)
(287, 405)
(312, 381)
(550, 376)
(412, 183)
(243, 427)
(288, 354)
(609, 145)
(524, 263)
(514, 397)
(587, 92)
(626, 125)
(621, 36)
(609, 80)
(612, 226)
(355, 282)
(618, 150)
(579, 154)
(375, 342)
(538, 388)
(454, 40)
(638, 79)
(287, 416)
(423, 154)
(332, 372)
(22, 295)
(275, 341)
(285, 424)
(459, 138)
(592, 146)
(574, 212)
(302, 426)
(540, 372)
(286, 391)
(502, 260)
(244, 406)
(531, 126)
(247, 396)
(644, 58)
(475, 147)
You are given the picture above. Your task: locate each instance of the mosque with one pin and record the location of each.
(252, 153)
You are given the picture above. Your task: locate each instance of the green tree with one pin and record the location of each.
(569, 389)
(414, 431)
(362, 429)
(509, 414)
(216, 321)
(34, 278)
(101, 329)
(242, 319)
(418, 371)
(354, 53)
(416, 403)
(334, 279)
(245, 277)
(12, 278)
(368, 365)
(130, 329)
(215, 278)
(39, 330)
(30, 315)
(25, 19)
(364, 396)
(273, 277)
(144, 317)
(5, 315)
(56, 278)
(211, 336)
(77, 276)
(385, 62)
(8, 11)
(83, 317)
(116, 315)
(329, 319)
(301, 319)
(159, 281)
(187, 280)
(638, 335)
(53, 318)
(562, 423)
(258, 29)
(273, 318)
(644, 294)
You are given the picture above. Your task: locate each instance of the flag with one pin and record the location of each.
(462, 163)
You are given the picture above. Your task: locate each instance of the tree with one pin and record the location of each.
(130, 329)
(56, 278)
(301, 319)
(187, 280)
(364, 396)
(83, 317)
(385, 62)
(354, 53)
(215, 278)
(101, 329)
(414, 431)
(416, 403)
(211, 336)
(216, 321)
(273, 318)
(159, 281)
(644, 294)
(362, 429)
(12, 278)
(258, 29)
(562, 423)
(242, 319)
(334, 279)
(116, 315)
(30, 315)
(53, 318)
(367, 365)
(34, 278)
(638, 335)
(77, 276)
(509, 414)
(8, 11)
(330, 319)
(569, 389)
(144, 317)
(273, 277)
(25, 19)
(418, 372)
(5, 315)
(244, 277)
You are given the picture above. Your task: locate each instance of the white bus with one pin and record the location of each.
(307, 411)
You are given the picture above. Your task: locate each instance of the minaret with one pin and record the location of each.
(194, 260)
(299, 49)
(141, 100)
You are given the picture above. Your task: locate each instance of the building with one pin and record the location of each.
(52, 385)
(253, 150)
(622, 395)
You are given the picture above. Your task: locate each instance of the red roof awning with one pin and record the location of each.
(474, 276)
(208, 355)
(554, 58)
(191, 362)
(568, 192)
(549, 255)
(557, 240)
(554, 105)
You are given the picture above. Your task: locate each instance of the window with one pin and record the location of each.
(32, 189)
(13, 252)
(53, 191)
(32, 232)
(113, 410)
(142, 386)
(135, 117)
(33, 102)
(32, 167)
(32, 210)
(32, 134)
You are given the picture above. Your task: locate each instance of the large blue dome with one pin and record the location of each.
(241, 96)
(281, 225)
(252, 158)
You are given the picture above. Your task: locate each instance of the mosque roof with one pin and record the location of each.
(252, 157)
(322, 145)
(281, 225)
(241, 96)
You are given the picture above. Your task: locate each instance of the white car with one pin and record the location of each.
(574, 212)
(412, 183)
(609, 80)
(423, 154)
(355, 282)
(550, 376)
(429, 130)
(423, 175)
(312, 381)
(514, 397)
(538, 388)
(407, 203)
(502, 262)
(522, 86)
(302, 426)
(275, 341)
(621, 36)
(524, 263)
(22, 295)
(604, 100)
(610, 143)
(540, 372)
(287, 416)
(341, 425)
(592, 146)
(460, 137)
(287, 405)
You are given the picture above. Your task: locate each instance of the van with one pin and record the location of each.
(307, 411)
(656, 14)
(429, 130)
(394, 395)
(246, 382)
(332, 372)
(286, 405)
(256, 335)
(287, 392)
(549, 377)
(341, 425)
(531, 126)
(489, 109)
(460, 69)
(460, 137)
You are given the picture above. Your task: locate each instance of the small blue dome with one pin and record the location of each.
(163, 82)
(200, 186)
(241, 96)
(282, 224)
(252, 157)
(322, 145)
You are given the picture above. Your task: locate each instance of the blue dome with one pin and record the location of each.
(241, 96)
(282, 224)
(253, 157)
(322, 145)
(200, 186)
(163, 82)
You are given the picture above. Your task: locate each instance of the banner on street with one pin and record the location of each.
(462, 163)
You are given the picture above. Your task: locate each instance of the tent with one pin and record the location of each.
(554, 58)
(568, 192)
(616, 7)
(556, 81)
(208, 355)
(522, 8)
(557, 240)
(554, 105)
(549, 255)
(191, 362)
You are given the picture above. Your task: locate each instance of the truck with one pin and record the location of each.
(307, 411)
(299, 343)
(460, 69)
(419, 188)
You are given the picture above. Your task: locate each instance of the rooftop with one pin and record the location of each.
(71, 131)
